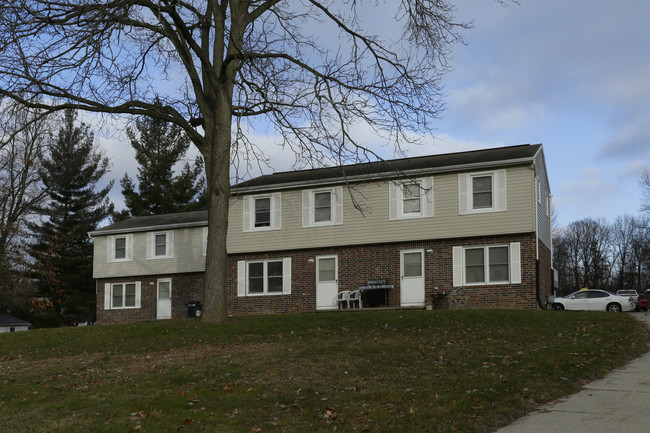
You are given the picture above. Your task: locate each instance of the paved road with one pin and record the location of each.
(620, 402)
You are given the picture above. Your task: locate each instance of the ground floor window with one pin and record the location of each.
(487, 264)
(264, 277)
(122, 295)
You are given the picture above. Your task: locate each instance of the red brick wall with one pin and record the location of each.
(186, 288)
(357, 265)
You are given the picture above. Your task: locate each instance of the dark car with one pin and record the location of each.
(643, 302)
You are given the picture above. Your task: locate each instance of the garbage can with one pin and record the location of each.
(194, 309)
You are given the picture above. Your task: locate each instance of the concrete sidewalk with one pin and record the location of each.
(620, 402)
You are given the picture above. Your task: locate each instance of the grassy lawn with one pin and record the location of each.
(390, 371)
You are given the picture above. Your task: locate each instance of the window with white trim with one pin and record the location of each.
(538, 190)
(487, 264)
(262, 212)
(322, 207)
(160, 245)
(264, 277)
(120, 248)
(412, 198)
(482, 192)
(122, 295)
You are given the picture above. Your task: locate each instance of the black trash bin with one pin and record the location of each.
(194, 309)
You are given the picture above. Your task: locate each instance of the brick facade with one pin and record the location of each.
(357, 265)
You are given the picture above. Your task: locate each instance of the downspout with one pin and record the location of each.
(536, 211)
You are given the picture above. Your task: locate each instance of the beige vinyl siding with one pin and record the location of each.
(543, 219)
(187, 256)
(374, 225)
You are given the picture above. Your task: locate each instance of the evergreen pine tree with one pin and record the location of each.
(158, 147)
(62, 251)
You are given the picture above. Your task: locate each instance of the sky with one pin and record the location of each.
(573, 75)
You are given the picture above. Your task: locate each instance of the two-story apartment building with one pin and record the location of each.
(478, 220)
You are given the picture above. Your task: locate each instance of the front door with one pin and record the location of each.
(412, 278)
(327, 284)
(164, 305)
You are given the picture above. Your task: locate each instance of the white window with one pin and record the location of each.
(482, 192)
(120, 248)
(264, 277)
(122, 295)
(487, 264)
(321, 207)
(263, 212)
(538, 190)
(160, 245)
(549, 203)
(412, 198)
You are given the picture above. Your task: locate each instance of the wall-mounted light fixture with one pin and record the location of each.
(310, 261)
(429, 251)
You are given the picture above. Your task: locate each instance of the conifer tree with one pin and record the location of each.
(62, 251)
(159, 147)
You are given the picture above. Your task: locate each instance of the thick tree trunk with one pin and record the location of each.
(217, 156)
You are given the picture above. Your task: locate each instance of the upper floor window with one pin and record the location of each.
(482, 192)
(411, 198)
(322, 207)
(120, 248)
(263, 212)
(160, 245)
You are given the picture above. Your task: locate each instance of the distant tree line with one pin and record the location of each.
(52, 193)
(595, 253)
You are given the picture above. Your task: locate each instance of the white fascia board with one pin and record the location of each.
(160, 227)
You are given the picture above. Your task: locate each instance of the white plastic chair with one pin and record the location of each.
(344, 297)
(355, 296)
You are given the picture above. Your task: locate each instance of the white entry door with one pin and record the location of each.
(412, 278)
(164, 305)
(327, 284)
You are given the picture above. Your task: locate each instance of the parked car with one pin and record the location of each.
(632, 294)
(594, 300)
(643, 302)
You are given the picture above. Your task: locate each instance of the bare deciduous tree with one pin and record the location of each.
(23, 135)
(645, 190)
(311, 69)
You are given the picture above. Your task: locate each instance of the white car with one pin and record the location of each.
(594, 300)
(632, 294)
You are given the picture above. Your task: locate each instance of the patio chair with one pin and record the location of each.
(344, 297)
(355, 296)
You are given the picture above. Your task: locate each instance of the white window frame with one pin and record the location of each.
(309, 207)
(466, 192)
(169, 245)
(243, 275)
(109, 289)
(514, 264)
(538, 190)
(396, 198)
(275, 212)
(549, 203)
(110, 253)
